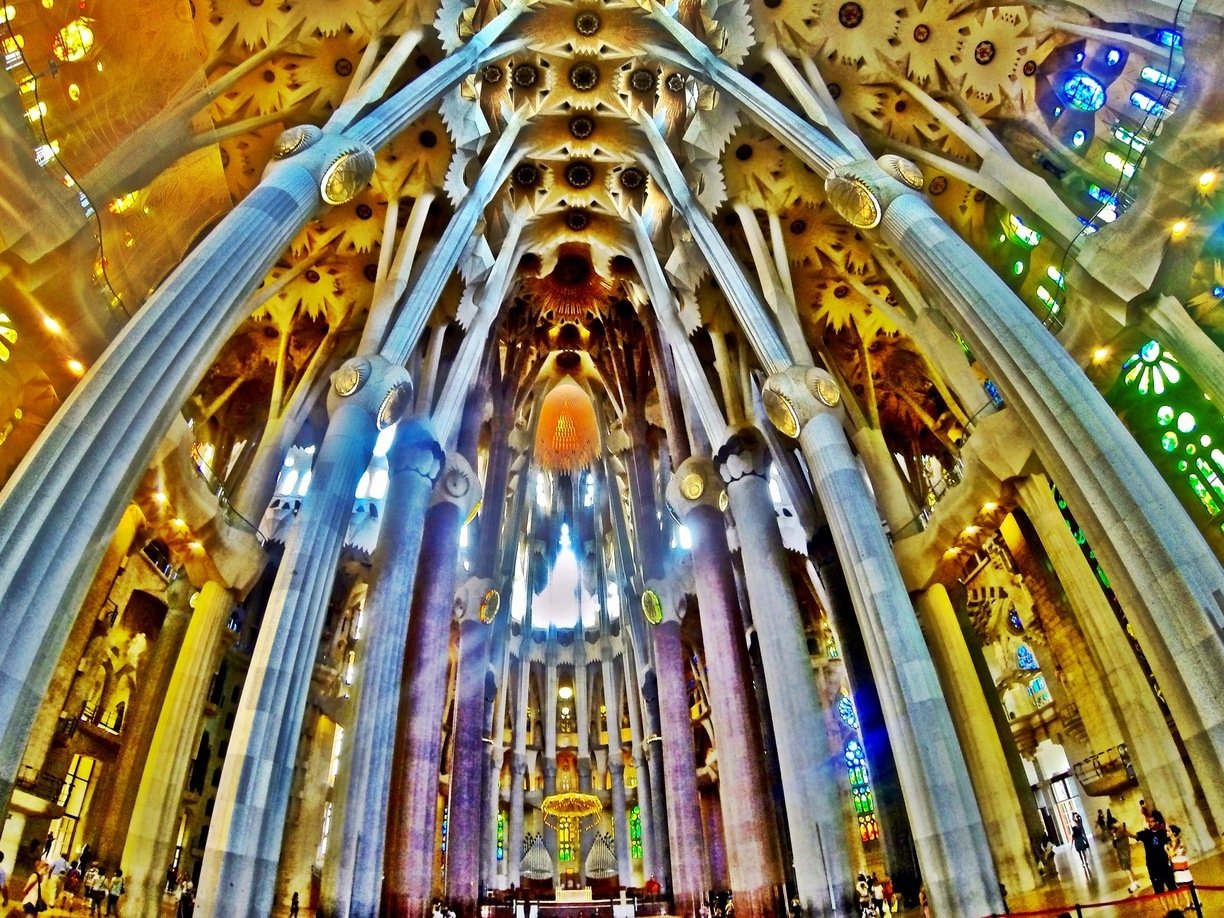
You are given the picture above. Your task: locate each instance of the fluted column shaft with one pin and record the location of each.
(1162, 569)
(118, 785)
(86, 465)
(947, 826)
(244, 840)
(616, 758)
(471, 698)
(751, 834)
(690, 868)
(415, 461)
(809, 782)
(150, 836)
(412, 822)
(1148, 740)
(996, 795)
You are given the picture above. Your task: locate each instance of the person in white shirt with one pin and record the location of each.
(3, 881)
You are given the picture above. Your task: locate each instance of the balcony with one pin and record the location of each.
(1103, 774)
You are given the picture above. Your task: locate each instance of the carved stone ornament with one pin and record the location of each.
(374, 384)
(295, 140)
(349, 377)
(393, 405)
(652, 607)
(796, 395)
(902, 170)
(854, 200)
(347, 174)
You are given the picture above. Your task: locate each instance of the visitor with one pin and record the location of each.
(863, 890)
(1121, 846)
(1155, 841)
(1110, 819)
(114, 889)
(294, 904)
(57, 872)
(1045, 851)
(3, 882)
(32, 900)
(1080, 839)
(91, 883)
(1180, 862)
(877, 894)
(1100, 824)
(184, 897)
(47, 843)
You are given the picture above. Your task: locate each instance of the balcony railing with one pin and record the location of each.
(1105, 773)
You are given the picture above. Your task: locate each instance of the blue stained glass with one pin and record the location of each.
(1084, 92)
(1025, 658)
(845, 709)
(1013, 619)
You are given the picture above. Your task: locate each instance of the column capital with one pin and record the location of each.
(794, 396)
(458, 485)
(861, 191)
(695, 484)
(373, 384)
(671, 591)
(415, 450)
(477, 601)
(341, 166)
(745, 453)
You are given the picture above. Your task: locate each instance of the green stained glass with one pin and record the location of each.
(1205, 441)
(1186, 422)
(1182, 465)
(1149, 352)
(1169, 441)
(1104, 579)
(1165, 415)
(1203, 494)
(1210, 476)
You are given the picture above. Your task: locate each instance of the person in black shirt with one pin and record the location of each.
(1154, 839)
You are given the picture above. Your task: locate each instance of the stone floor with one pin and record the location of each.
(1104, 883)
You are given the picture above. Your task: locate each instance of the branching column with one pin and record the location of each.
(948, 831)
(415, 461)
(809, 782)
(244, 841)
(413, 799)
(752, 841)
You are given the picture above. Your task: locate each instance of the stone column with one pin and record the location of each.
(150, 837)
(518, 753)
(244, 840)
(992, 784)
(948, 831)
(715, 838)
(414, 461)
(690, 867)
(1151, 747)
(128, 399)
(119, 783)
(695, 493)
(548, 717)
(632, 702)
(612, 722)
(809, 782)
(413, 800)
(474, 687)
(582, 713)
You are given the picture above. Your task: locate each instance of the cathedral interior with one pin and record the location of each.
(585, 450)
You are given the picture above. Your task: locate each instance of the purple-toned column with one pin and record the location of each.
(695, 493)
(690, 868)
(415, 462)
(473, 695)
(413, 801)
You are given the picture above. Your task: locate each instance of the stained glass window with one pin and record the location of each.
(1025, 658)
(501, 836)
(635, 833)
(565, 840)
(1014, 622)
(1039, 692)
(1084, 92)
(860, 789)
(845, 709)
(445, 826)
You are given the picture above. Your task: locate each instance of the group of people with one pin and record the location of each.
(875, 896)
(53, 880)
(1165, 855)
(183, 891)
